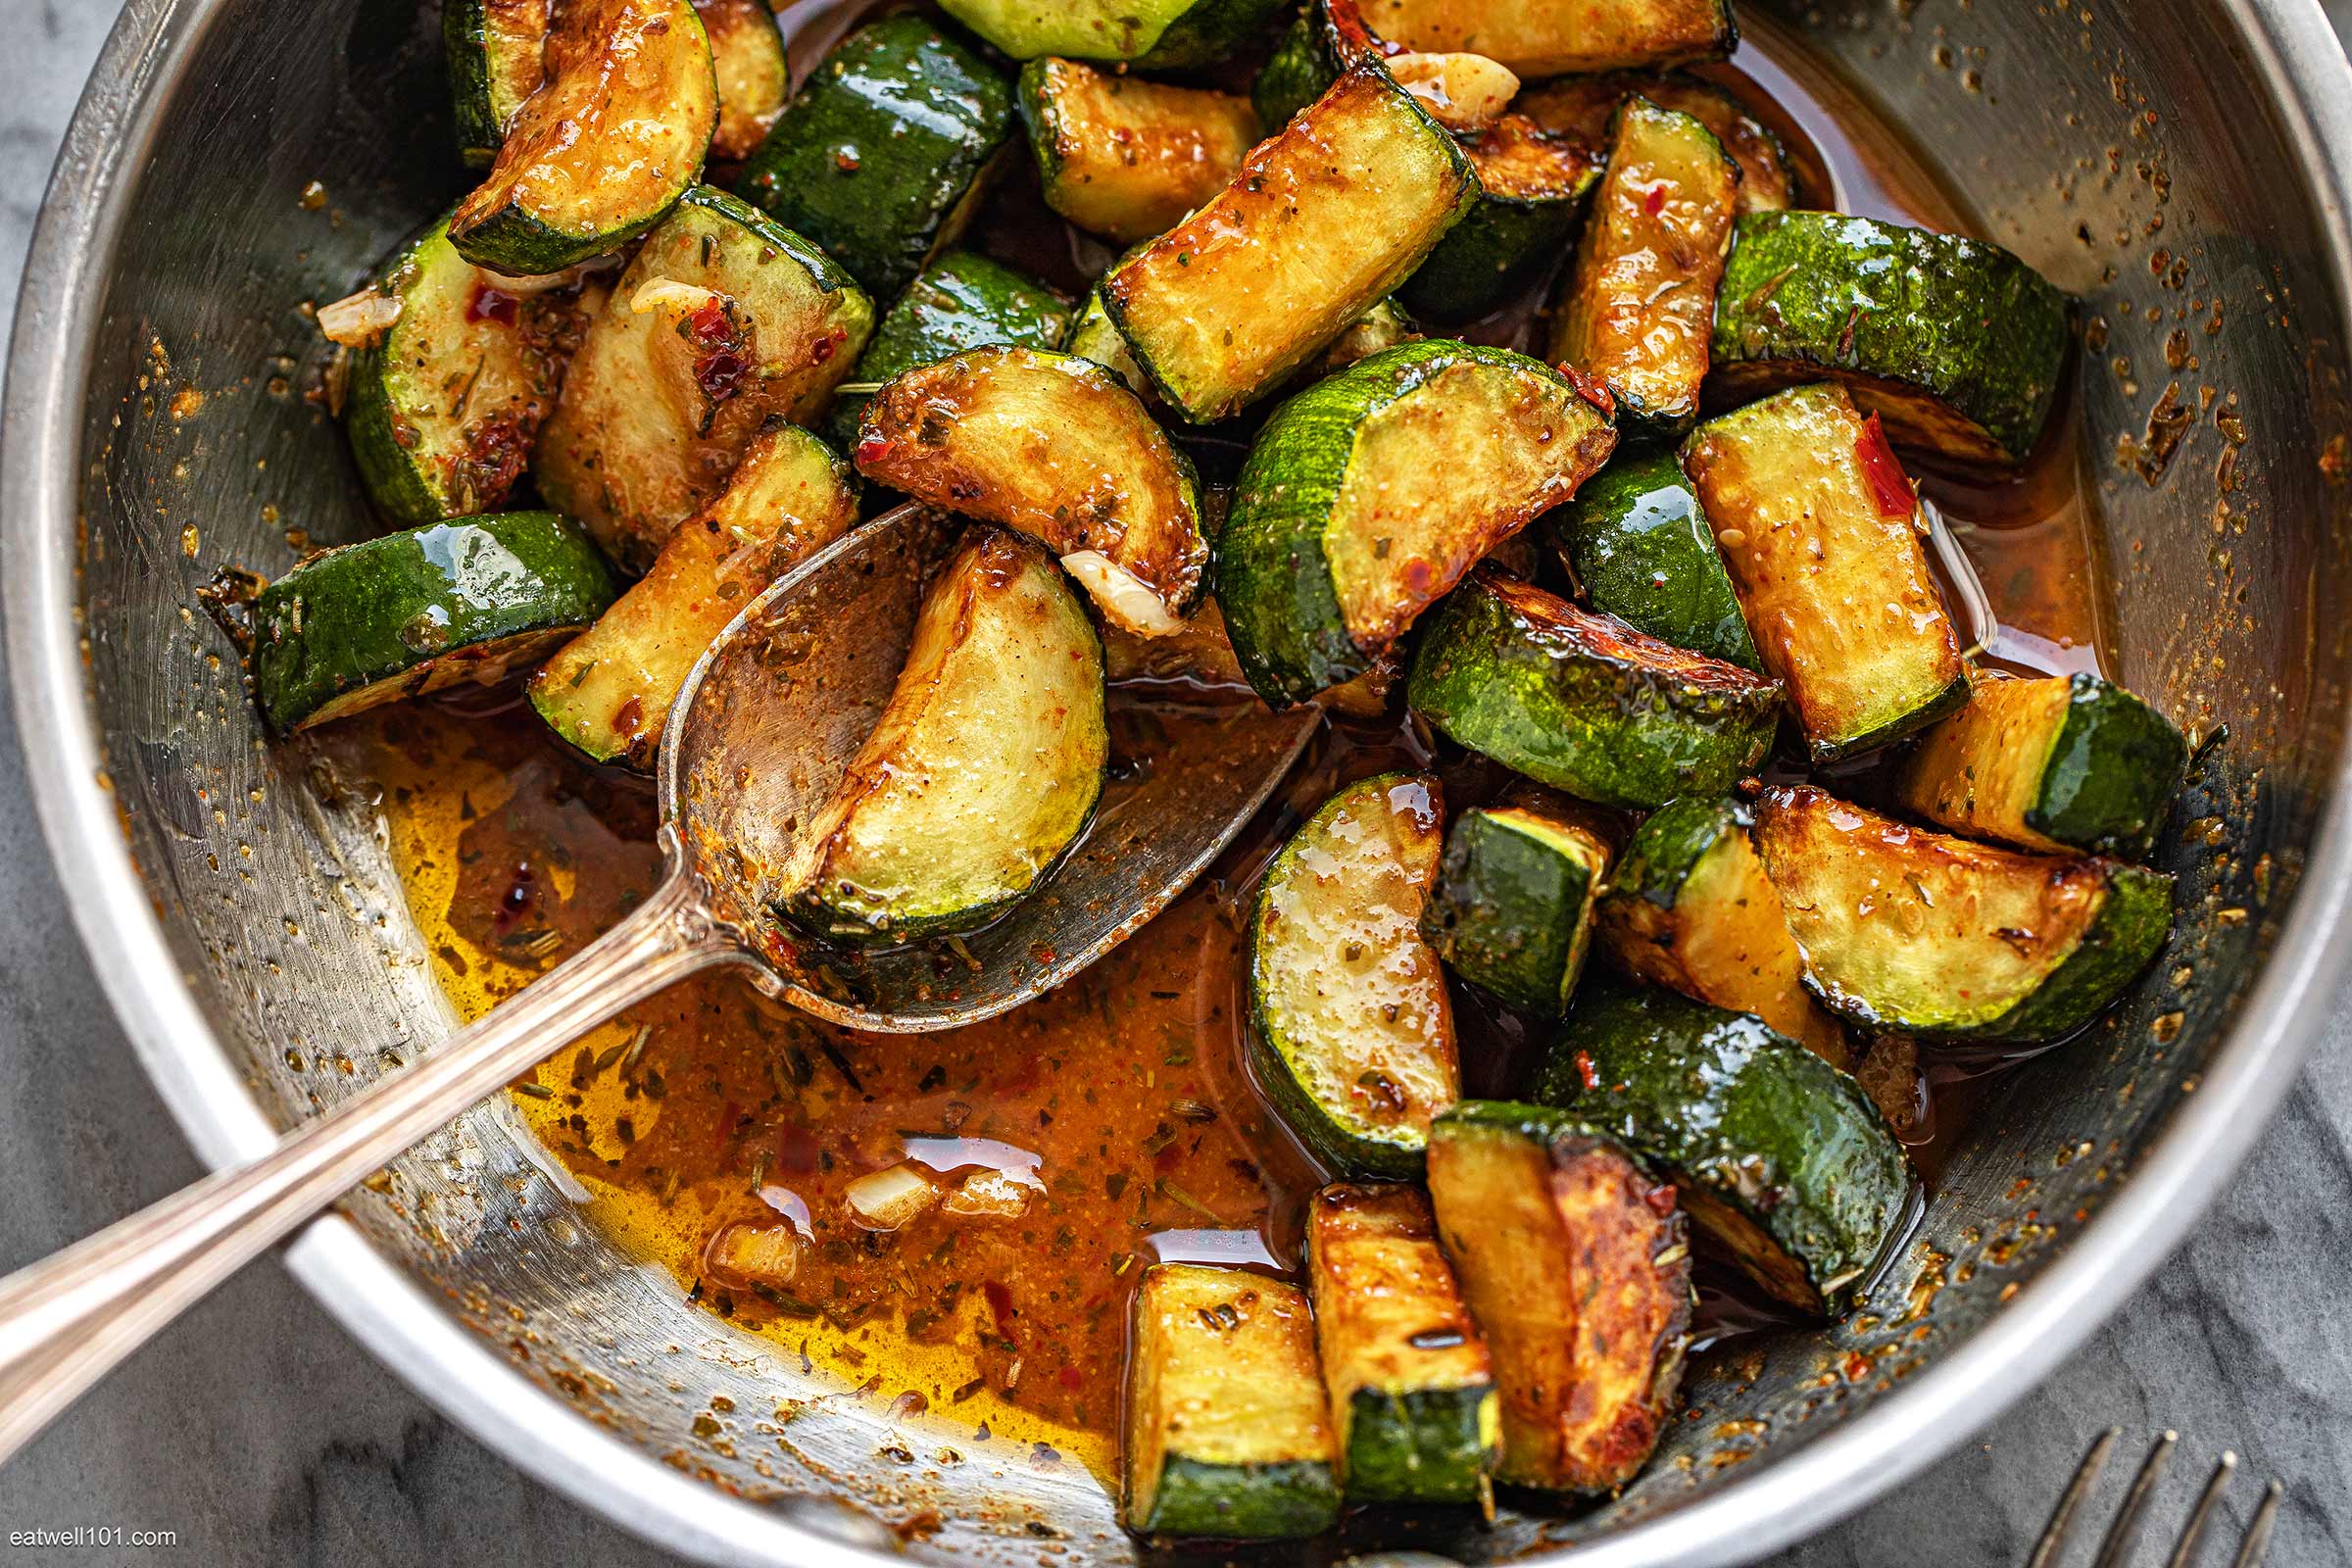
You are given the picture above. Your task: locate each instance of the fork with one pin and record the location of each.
(2115, 1549)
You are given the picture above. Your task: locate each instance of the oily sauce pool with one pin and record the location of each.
(1110, 1124)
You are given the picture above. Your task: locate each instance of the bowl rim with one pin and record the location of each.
(2289, 43)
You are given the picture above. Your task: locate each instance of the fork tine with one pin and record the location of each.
(2086, 1474)
(2192, 1535)
(2258, 1533)
(2118, 1545)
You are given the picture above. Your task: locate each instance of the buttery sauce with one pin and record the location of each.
(1110, 1124)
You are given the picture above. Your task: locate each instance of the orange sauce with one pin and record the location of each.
(1117, 1110)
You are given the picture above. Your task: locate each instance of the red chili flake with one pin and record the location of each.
(873, 449)
(522, 888)
(999, 1307)
(1656, 201)
(846, 160)
(720, 375)
(796, 1147)
(1073, 1379)
(489, 304)
(821, 350)
(1888, 487)
(1591, 388)
(729, 1113)
(708, 323)
(628, 717)
(1660, 1199)
(1586, 1070)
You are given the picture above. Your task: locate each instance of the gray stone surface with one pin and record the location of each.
(260, 1434)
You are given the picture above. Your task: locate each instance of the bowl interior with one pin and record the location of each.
(2134, 166)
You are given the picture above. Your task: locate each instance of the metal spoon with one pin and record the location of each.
(762, 732)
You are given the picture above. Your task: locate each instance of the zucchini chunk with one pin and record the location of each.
(444, 406)
(1776, 1154)
(1572, 1257)
(2070, 762)
(882, 155)
(1549, 37)
(1906, 929)
(1125, 158)
(1305, 61)
(747, 51)
(1821, 532)
(1093, 337)
(961, 301)
(721, 321)
(1639, 547)
(608, 691)
(1154, 34)
(1411, 1393)
(1532, 189)
(1640, 305)
(1956, 344)
(1353, 1035)
(1583, 107)
(1689, 908)
(983, 769)
(605, 147)
(410, 612)
(1583, 701)
(1051, 445)
(1368, 494)
(1228, 1429)
(496, 54)
(1319, 224)
(1384, 326)
(1514, 909)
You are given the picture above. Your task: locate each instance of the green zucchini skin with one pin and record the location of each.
(1305, 61)
(1956, 344)
(1513, 908)
(1816, 1187)
(961, 301)
(1356, 1052)
(443, 408)
(2068, 763)
(493, 51)
(410, 612)
(1585, 702)
(1152, 34)
(1287, 1499)
(1534, 189)
(877, 156)
(1642, 550)
(1277, 572)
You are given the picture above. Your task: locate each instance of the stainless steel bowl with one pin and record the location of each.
(2168, 161)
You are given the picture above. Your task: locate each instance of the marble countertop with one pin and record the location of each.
(258, 1434)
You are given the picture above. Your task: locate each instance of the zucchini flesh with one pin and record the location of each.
(1227, 1431)
(747, 53)
(1821, 532)
(495, 50)
(1353, 1035)
(1514, 909)
(1640, 305)
(983, 770)
(1367, 496)
(410, 612)
(1906, 929)
(671, 382)
(443, 408)
(1051, 445)
(1583, 701)
(1575, 1264)
(1689, 908)
(1583, 107)
(1384, 326)
(1777, 1154)
(1155, 34)
(1955, 344)
(2063, 763)
(605, 147)
(1412, 1396)
(882, 154)
(1125, 158)
(1532, 186)
(1319, 224)
(961, 301)
(608, 691)
(1640, 550)
(1549, 37)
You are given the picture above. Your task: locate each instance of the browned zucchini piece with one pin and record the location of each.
(1548, 37)
(747, 52)
(1572, 1254)
(1584, 106)
(1125, 158)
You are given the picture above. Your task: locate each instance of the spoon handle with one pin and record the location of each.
(67, 1320)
